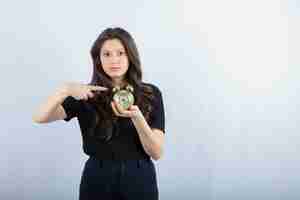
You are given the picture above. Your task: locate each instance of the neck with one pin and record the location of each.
(118, 82)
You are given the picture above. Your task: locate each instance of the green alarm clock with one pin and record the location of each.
(123, 97)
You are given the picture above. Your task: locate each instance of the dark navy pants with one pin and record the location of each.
(118, 180)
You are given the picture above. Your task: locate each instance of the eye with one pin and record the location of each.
(121, 53)
(106, 54)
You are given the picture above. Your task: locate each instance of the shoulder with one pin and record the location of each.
(156, 90)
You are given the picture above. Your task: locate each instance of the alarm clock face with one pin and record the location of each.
(124, 98)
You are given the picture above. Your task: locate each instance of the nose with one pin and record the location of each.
(115, 58)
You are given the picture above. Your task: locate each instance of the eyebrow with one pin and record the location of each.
(111, 50)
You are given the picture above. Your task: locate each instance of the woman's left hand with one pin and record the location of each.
(132, 112)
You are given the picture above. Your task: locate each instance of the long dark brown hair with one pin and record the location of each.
(143, 93)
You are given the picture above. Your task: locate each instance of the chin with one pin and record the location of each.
(116, 75)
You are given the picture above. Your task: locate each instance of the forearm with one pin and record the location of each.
(44, 112)
(151, 141)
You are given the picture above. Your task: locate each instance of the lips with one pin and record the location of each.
(115, 68)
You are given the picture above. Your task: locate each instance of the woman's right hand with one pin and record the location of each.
(82, 91)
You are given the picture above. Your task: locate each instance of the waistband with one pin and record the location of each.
(119, 156)
(103, 162)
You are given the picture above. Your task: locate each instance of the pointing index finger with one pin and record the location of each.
(97, 88)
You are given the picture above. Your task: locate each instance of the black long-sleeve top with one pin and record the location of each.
(126, 145)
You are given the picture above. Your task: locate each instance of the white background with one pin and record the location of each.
(228, 70)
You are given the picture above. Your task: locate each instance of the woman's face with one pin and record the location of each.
(114, 59)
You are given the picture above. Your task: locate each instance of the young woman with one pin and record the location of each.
(120, 141)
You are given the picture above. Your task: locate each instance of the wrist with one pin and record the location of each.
(138, 115)
(64, 90)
